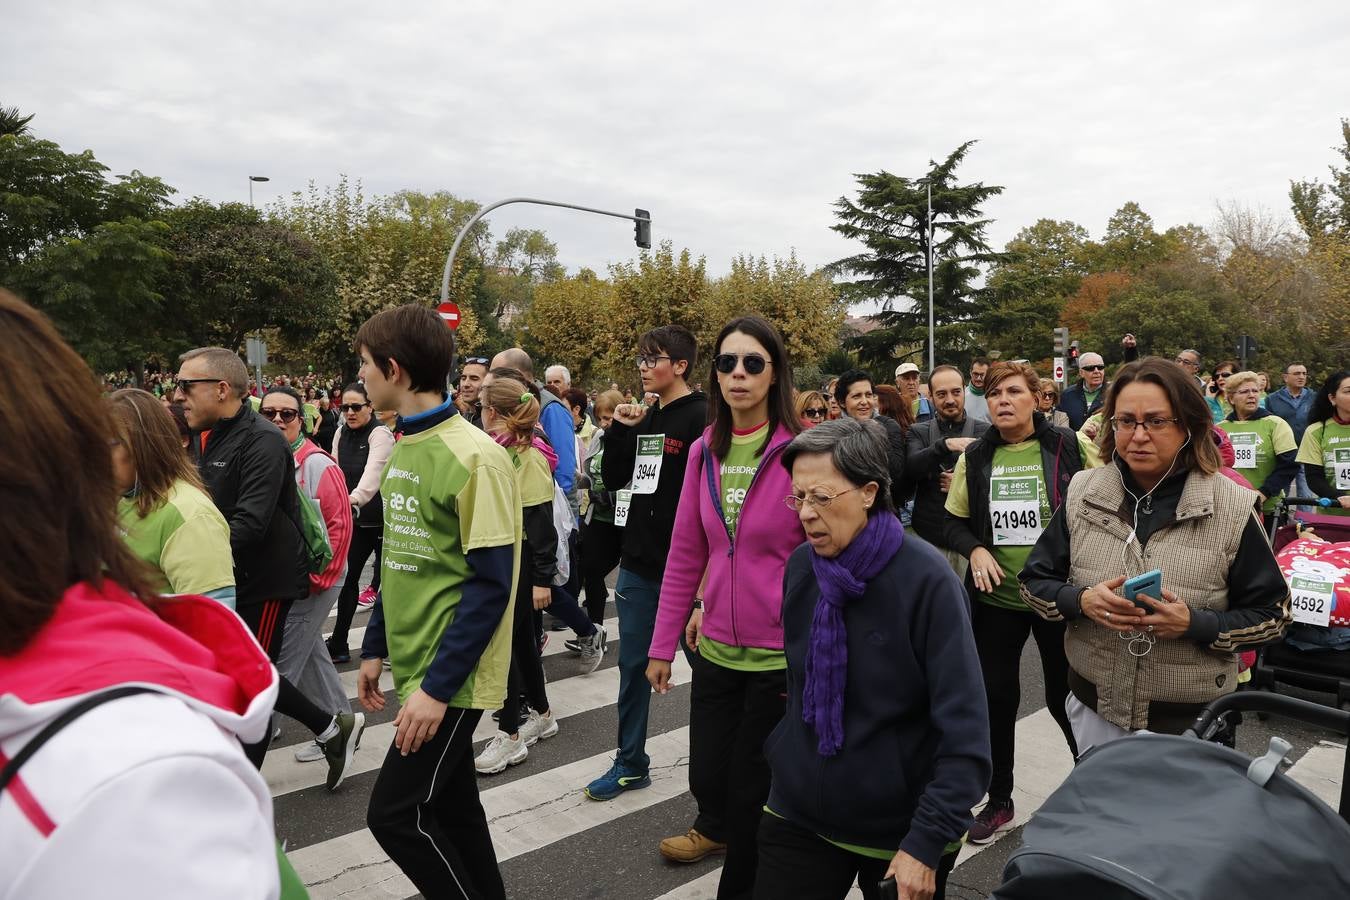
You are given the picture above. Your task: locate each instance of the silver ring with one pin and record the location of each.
(979, 572)
(1108, 617)
(1150, 628)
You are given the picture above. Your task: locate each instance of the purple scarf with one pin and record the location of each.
(841, 579)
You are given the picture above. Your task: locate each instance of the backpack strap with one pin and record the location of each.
(11, 768)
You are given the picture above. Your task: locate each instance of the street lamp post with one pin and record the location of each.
(928, 243)
(640, 216)
(251, 179)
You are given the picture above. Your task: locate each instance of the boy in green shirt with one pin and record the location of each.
(452, 526)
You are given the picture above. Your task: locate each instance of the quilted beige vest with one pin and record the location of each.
(1194, 554)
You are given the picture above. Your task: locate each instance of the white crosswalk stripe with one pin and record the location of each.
(531, 810)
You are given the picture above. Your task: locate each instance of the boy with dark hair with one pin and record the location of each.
(645, 453)
(452, 526)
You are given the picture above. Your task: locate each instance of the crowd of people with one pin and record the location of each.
(852, 573)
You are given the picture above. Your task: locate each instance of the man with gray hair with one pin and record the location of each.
(1088, 395)
(250, 473)
(557, 379)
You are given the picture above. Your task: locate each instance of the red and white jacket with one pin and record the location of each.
(149, 795)
(320, 477)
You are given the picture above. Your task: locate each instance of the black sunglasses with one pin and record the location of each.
(754, 363)
(352, 407)
(271, 412)
(185, 384)
(1092, 368)
(815, 413)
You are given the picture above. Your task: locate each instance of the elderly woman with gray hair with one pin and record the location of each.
(884, 747)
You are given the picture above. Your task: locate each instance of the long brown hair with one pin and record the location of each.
(891, 403)
(1188, 405)
(515, 403)
(147, 431)
(56, 479)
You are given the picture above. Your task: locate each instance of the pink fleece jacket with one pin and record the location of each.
(320, 477)
(743, 599)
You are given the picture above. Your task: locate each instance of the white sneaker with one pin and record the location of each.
(501, 751)
(311, 752)
(538, 727)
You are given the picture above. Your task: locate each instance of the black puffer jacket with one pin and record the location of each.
(250, 472)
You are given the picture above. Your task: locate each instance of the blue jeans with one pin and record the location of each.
(1299, 486)
(636, 598)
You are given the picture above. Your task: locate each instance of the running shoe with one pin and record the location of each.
(340, 748)
(996, 818)
(618, 779)
(311, 752)
(690, 847)
(592, 651)
(537, 727)
(574, 644)
(367, 598)
(339, 655)
(500, 752)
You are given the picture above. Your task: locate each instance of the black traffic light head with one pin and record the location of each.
(1073, 354)
(642, 229)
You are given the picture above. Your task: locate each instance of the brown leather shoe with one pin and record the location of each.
(690, 847)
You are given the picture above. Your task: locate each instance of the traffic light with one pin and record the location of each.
(1061, 342)
(642, 229)
(1073, 354)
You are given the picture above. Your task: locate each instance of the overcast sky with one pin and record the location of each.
(736, 124)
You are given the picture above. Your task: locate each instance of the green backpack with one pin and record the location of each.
(318, 551)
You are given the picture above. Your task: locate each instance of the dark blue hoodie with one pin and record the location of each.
(916, 728)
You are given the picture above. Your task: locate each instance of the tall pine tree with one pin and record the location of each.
(889, 216)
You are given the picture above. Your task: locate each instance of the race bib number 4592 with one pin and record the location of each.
(1342, 464)
(1310, 600)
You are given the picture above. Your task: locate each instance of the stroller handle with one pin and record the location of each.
(1309, 501)
(1265, 702)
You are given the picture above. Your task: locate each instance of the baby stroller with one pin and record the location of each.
(1311, 668)
(1182, 818)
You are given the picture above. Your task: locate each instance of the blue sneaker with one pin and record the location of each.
(618, 779)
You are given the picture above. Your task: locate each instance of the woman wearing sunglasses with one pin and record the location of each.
(812, 408)
(1048, 403)
(733, 524)
(304, 656)
(361, 448)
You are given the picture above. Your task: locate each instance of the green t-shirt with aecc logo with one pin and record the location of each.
(738, 471)
(446, 491)
(1328, 444)
(1256, 443)
(185, 539)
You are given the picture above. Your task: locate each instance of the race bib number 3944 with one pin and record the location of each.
(1015, 510)
(647, 466)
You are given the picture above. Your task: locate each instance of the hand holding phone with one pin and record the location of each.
(1149, 584)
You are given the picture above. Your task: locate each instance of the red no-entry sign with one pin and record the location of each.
(450, 314)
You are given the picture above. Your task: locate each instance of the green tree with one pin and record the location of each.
(889, 217)
(660, 288)
(1324, 209)
(1043, 265)
(384, 252)
(13, 121)
(572, 322)
(235, 273)
(805, 306)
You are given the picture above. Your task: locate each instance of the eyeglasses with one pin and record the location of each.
(754, 363)
(645, 361)
(351, 407)
(815, 413)
(1092, 368)
(477, 361)
(1183, 361)
(816, 499)
(185, 384)
(1152, 423)
(285, 415)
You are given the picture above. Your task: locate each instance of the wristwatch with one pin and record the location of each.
(698, 603)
